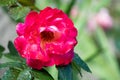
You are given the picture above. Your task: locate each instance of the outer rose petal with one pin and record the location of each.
(20, 29)
(71, 33)
(38, 64)
(48, 13)
(31, 18)
(63, 59)
(20, 44)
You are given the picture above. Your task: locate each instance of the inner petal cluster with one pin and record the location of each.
(47, 36)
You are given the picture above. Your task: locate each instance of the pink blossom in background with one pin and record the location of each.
(102, 18)
(46, 38)
(74, 12)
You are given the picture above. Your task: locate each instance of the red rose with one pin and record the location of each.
(46, 38)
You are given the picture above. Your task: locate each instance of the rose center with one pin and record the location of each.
(47, 35)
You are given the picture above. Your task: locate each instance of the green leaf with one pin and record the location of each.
(14, 58)
(78, 61)
(7, 2)
(26, 2)
(65, 73)
(76, 72)
(76, 67)
(10, 74)
(12, 49)
(19, 13)
(13, 53)
(10, 64)
(41, 75)
(52, 71)
(25, 75)
(2, 48)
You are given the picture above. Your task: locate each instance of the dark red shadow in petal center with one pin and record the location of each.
(47, 36)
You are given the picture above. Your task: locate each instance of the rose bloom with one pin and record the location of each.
(46, 38)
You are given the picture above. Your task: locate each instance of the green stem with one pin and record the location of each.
(93, 55)
(70, 7)
(98, 52)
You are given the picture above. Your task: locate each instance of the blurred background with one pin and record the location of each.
(97, 22)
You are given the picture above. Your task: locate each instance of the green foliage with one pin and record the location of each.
(41, 75)
(26, 2)
(13, 54)
(65, 73)
(52, 71)
(79, 63)
(2, 48)
(17, 9)
(12, 49)
(77, 74)
(10, 64)
(25, 75)
(7, 2)
(18, 13)
(10, 74)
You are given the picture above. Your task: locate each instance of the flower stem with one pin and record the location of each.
(70, 6)
(94, 55)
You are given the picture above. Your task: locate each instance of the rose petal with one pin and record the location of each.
(20, 29)
(31, 18)
(20, 44)
(63, 59)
